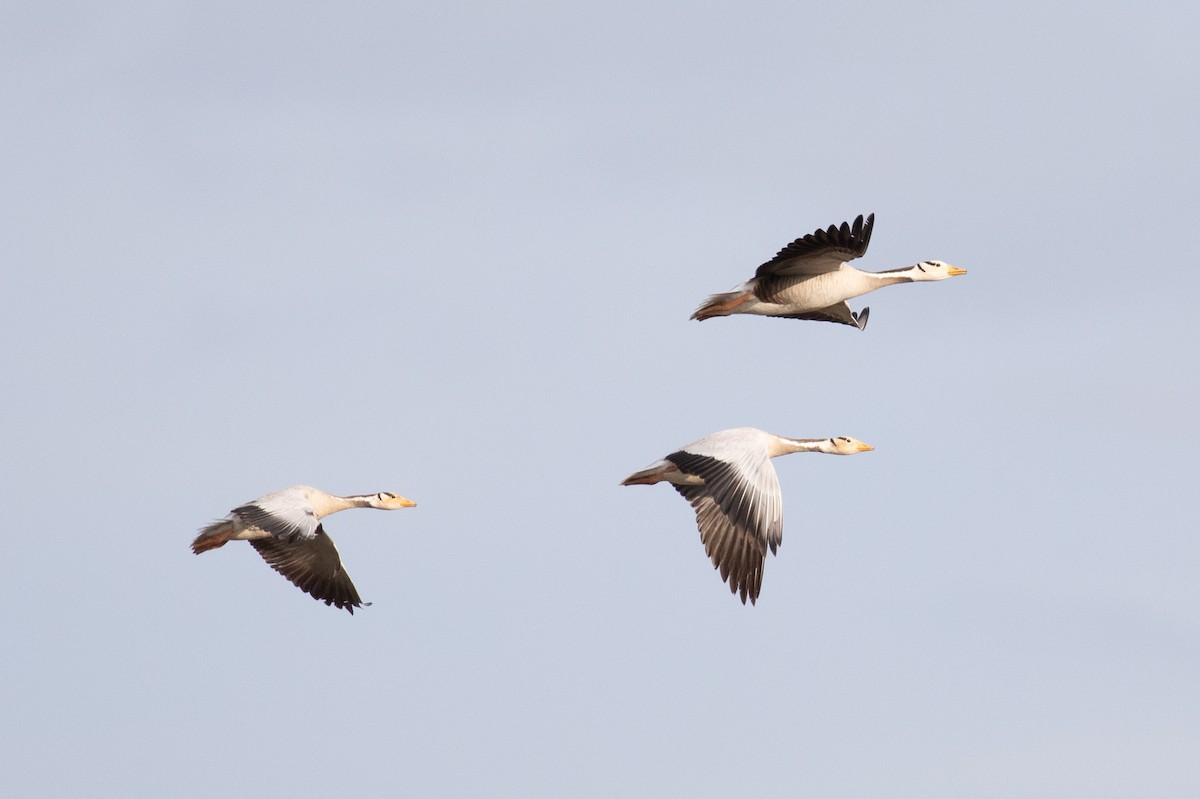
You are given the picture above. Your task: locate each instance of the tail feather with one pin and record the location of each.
(721, 304)
(649, 476)
(214, 535)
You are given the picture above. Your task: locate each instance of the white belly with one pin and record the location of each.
(816, 292)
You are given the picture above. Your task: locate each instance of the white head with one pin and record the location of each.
(934, 270)
(386, 500)
(844, 445)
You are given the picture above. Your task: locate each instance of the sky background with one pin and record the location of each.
(450, 250)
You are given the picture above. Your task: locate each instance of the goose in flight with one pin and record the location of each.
(729, 480)
(811, 278)
(285, 528)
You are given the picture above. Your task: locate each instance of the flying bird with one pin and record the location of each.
(285, 528)
(729, 480)
(811, 278)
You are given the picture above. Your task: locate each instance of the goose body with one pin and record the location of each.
(285, 527)
(811, 278)
(729, 480)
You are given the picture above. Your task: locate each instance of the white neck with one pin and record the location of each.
(783, 446)
(325, 504)
(890, 277)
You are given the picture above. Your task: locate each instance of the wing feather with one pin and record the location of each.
(839, 313)
(284, 514)
(312, 565)
(738, 510)
(821, 251)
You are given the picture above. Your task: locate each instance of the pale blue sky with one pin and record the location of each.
(450, 250)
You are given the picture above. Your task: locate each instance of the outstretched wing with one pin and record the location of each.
(312, 565)
(739, 510)
(821, 251)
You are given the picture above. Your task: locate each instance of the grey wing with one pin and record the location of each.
(821, 251)
(282, 520)
(739, 513)
(312, 565)
(839, 313)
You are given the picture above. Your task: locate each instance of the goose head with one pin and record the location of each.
(844, 445)
(934, 270)
(386, 500)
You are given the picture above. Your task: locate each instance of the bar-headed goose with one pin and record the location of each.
(285, 528)
(812, 279)
(728, 478)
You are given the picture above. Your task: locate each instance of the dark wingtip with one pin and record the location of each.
(866, 233)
